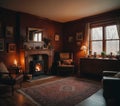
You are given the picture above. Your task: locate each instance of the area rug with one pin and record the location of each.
(41, 77)
(64, 92)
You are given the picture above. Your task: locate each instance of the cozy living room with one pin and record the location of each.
(59, 53)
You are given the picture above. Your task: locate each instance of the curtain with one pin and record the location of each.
(87, 32)
(118, 29)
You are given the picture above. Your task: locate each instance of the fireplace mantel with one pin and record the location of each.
(48, 52)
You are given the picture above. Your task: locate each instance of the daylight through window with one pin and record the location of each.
(104, 38)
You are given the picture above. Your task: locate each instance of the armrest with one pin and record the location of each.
(111, 87)
(11, 75)
(110, 82)
(109, 73)
(6, 74)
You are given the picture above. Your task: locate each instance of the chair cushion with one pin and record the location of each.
(67, 61)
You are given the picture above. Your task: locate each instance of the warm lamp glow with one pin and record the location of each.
(84, 48)
(15, 62)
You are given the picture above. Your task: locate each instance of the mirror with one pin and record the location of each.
(35, 35)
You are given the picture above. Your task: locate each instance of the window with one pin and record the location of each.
(37, 36)
(104, 38)
(96, 37)
(112, 39)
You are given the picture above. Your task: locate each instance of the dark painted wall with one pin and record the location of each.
(50, 28)
(71, 28)
(8, 18)
(20, 22)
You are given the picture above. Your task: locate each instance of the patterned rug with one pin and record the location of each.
(65, 92)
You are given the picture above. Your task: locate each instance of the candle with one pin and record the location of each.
(15, 62)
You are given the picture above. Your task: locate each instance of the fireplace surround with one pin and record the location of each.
(42, 56)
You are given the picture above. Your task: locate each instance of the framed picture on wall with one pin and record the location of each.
(70, 39)
(9, 31)
(79, 36)
(12, 47)
(1, 44)
(57, 37)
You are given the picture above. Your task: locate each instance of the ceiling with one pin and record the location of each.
(61, 10)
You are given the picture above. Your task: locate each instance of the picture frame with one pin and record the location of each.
(1, 44)
(57, 37)
(9, 31)
(79, 36)
(70, 39)
(12, 47)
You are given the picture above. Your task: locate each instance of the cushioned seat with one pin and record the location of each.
(65, 63)
(7, 78)
(111, 84)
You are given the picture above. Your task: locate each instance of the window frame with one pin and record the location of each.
(104, 40)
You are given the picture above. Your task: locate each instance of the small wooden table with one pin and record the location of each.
(15, 69)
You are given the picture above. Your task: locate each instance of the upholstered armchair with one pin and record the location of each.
(111, 84)
(8, 78)
(65, 63)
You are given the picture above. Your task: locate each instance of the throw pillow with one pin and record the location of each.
(3, 68)
(117, 75)
(67, 62)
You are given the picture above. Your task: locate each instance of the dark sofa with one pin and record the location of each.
(111, 85)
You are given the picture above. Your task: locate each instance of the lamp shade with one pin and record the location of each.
(83, 47)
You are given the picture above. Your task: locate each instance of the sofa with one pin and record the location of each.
(111, 85)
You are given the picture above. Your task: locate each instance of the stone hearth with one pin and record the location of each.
(45, 53)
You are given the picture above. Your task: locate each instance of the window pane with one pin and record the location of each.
(112, 46)
(38, 37)
(111, 32)
(96, 33)
(35, 37)
(97, 47)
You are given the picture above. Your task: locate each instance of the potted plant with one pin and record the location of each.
(103, 54)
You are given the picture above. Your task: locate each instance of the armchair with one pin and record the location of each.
(111, 84)
(8, 78)
(65, 63)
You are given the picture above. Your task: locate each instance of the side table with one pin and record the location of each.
(15, 69)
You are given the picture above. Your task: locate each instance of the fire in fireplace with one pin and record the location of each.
(36, 67)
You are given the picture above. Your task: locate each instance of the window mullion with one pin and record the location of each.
(104, 39)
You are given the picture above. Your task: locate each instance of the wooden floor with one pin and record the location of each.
(98, 100)
(6, 99)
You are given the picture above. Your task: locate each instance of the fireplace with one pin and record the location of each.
(38, 61)
(36, 67)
